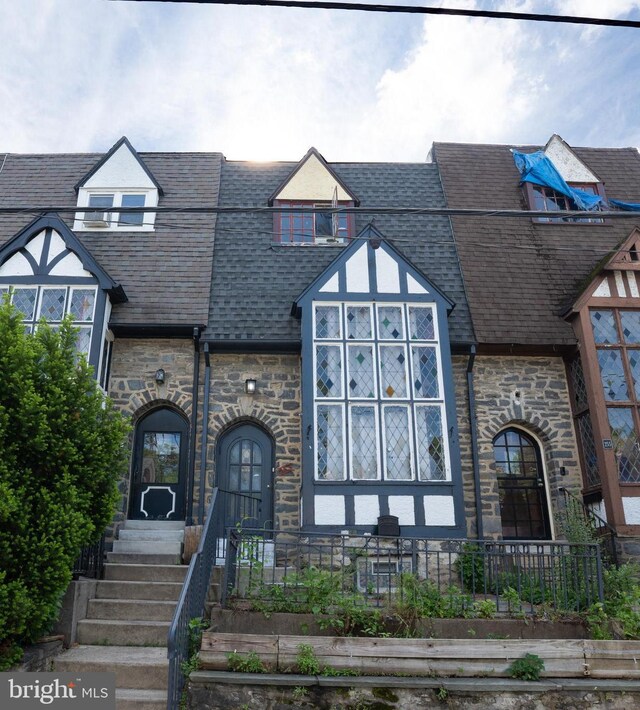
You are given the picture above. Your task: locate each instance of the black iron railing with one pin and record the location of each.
(604, 533)
(191, 604)
(90, 561)
(291, 571)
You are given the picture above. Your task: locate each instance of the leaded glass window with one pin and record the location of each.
(630, 322)
(328, 322)
(52, 303)
(82, 304)
(625, 443)
(612, 375)
(604, 327)
(370, 386)
(363, 440)
(24, 300)
(330, 442)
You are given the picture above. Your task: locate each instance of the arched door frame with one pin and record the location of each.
(543, 465)
(180, 493)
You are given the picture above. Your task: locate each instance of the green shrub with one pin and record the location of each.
(61, 453)
(307, 661)
(528, 667)
(620, 610)
(245, 663)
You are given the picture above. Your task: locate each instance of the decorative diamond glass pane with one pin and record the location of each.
(421, 326)
(359, 322)
(329, 454)
(425, 372)
(83, 341)
(327, 321)
(397, 455)
(24, 299)
(390, 323)
(604, 327)
(633, 356)
(52, 303)
(625, 444)
(361, 381)
(328, 371)
(578, 384)
(393, 371)
(364, 449)
(4, 290)
(588, 449)
(612, 375)
(431, 451)
(82, 302)
(630, 326)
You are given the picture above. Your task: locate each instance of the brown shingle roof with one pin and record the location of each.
(519, 274)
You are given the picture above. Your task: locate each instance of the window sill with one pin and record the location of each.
(306, 245)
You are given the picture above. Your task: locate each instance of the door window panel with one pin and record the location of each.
(160, 457)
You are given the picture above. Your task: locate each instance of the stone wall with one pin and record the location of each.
(464, 434)
(133, 388)
(530, 393)
(275, 407)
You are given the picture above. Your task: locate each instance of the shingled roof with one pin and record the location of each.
(166, 273)
(256, 281)
(520, 275)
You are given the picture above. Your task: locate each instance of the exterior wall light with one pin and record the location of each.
(159, 376)
(250, 386)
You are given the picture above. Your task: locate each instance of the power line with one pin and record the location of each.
(416, 10)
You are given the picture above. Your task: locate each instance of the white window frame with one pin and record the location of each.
(412, 435)
(374, 369)
(445, 438)
(344, 442)
(371, 404)
(112, 221)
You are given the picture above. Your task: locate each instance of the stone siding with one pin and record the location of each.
(275, 407)
(133, 388)
(464, 436)
(530, 393)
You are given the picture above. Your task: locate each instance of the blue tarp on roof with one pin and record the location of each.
(538, 169)
(631, 206)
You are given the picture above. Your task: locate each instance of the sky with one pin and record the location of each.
(268, 83)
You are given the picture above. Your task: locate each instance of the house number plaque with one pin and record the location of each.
(607, 444)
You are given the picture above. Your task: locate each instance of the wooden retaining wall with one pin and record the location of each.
(563, 658)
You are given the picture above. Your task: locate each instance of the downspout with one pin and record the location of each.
(205, 431)
(473, 430)
(194, 421)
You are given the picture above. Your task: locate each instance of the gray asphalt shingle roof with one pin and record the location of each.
(255, 281)
(166, 273)
(519, 274)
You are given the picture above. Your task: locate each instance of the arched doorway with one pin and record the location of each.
(245, 478)
(521, 485)
(159, 466)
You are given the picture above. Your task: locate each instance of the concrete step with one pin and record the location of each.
(127, 699)
(149, 547)
(141, 558)
(105, 632)
(139, 609)
(154, 525)
(150, 591)
(145, 573)
(135, 667)
(152, 535)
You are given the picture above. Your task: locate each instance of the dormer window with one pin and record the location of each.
(545, 199)
(120, 179)
(312, 227)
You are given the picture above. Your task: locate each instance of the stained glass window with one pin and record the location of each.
(625, 443)
(52, 303)
(612, 375)
(328, 371)
(397, 448)
(24, 299)
(421, 325)
(361, 378)
(83, 340)
(393, 371)
(82, 302)
(359, 323)
(390, 326)
(364, 443)
(630, 321)
(425, 371)
(328, 322)
(330, 447)
(604, 327)
(431, 446)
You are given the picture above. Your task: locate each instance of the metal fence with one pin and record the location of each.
(307, 572)
(604, 533)
(90, 561)
(191, 605)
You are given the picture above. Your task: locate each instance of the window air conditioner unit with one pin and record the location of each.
(96, 219)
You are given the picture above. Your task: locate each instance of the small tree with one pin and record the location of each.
(61, 453)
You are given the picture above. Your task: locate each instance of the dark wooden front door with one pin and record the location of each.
(245, 478)
(159, 467)
(523, 495)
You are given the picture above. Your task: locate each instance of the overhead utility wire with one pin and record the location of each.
(400, 211)
(417, 10)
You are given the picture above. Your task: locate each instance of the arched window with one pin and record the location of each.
(521, 485)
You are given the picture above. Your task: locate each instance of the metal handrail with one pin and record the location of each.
(90, 561)
(599, 524)
(191, 604)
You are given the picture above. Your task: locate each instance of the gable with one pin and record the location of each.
(567, 162)
(313, 179)
(121, 168)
